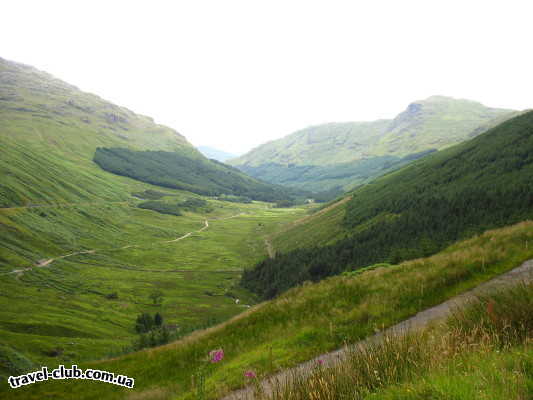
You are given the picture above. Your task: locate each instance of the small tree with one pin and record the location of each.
(144, 323)
(158, 320)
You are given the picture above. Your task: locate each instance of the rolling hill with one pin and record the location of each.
(347, 154)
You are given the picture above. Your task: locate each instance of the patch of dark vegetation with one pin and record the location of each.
(112, 296)
(145, 322)
(284, 204)
(452, 195)
(150, 194)
(160, 207)
(188, 172)
(235, 199)
(55, 352)
(192, 205)
(152, 331)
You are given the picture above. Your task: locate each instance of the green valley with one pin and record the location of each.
(82, 250)
(124, 249)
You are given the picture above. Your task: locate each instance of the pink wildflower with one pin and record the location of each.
(320, 362)
(216, 355)
(250, 374)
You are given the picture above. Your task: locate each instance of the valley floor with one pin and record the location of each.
(75, 276)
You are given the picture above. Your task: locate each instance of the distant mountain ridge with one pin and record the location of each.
(337, 148)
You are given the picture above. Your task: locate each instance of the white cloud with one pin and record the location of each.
(234, 74)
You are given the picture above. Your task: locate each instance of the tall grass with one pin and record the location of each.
(499, 323)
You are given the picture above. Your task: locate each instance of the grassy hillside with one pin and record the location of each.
(49, 126)
(345, 154)
(326, 144)
(483, 351)
(481, 184)
(302, 323)
(317, 229)
(436, 122)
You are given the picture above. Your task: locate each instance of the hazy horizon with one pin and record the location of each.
(237, 74)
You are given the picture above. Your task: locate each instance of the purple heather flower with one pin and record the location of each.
(320, 362)
(250, 374)
(216, 355)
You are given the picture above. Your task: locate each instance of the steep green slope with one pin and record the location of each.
(318, 229)
(484, 350)
(50, 127)
(453, 194)
(347, 154)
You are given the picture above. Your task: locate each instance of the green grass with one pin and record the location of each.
(497, 375)
(483, 351)
(307, 321)
(318, 229)
(64, 305)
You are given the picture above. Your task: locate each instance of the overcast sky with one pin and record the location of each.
(235, 74)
